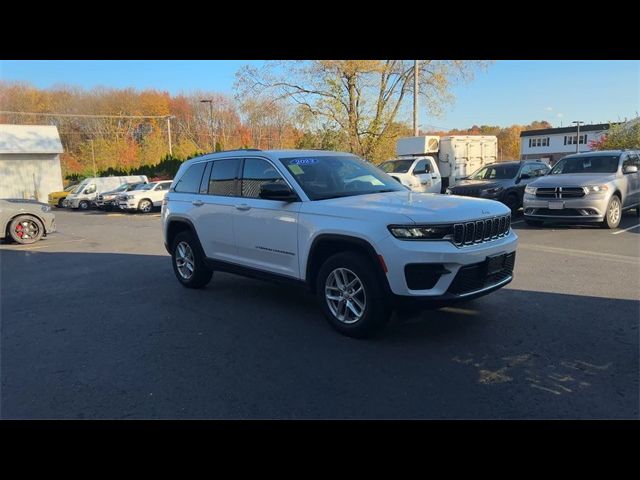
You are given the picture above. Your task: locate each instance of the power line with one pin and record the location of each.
(3, 112)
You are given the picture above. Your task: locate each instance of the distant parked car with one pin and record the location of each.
(145, 198)
(25, 221)
(590, 187)
(503, 181)
(109, 200)
(56, 198)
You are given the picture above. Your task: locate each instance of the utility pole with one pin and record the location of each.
(93, 157)
(415, 98)
(210, 102)
(578, 122)
(169, 117)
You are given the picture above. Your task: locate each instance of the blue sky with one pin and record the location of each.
(508, 92)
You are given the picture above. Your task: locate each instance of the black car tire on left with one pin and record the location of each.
(21, 220)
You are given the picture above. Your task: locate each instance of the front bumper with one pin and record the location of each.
(49, 221)
(590, 208)
(400, 253)
(127, 204)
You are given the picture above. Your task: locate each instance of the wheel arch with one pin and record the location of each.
(326, 245)
(176, 225)
(6, 232)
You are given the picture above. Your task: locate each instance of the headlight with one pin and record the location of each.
(129, 197)
(490, 191)
(595, 188)
(46, 208)
(420, 232)
(530, 190)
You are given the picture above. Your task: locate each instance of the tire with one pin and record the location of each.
(613, 215)
(186, 246)
(145, 205)
(511, 201)
(60, 203)
(374, 311)
(108, 208)
(83, 205)
(533, 223)
(25, 229)
(637, 211)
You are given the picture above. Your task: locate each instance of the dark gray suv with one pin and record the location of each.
(503, 181)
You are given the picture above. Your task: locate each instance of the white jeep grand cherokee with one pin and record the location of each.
(339, 226)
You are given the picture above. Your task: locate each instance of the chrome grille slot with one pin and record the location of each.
(469, 232)
(479, 231)
(488, 225)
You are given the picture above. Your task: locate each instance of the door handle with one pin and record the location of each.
(434, 176)
(197, 203)
(243, 206)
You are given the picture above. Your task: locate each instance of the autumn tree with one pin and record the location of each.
(624, 135)
(363, 98)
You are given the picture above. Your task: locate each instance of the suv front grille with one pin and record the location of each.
(473, 278)
(481, 231)
(560, 192)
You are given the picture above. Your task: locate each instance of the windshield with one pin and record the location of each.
(325, 177)
(594, 164)
(71, 188)
(79, 188)
(396, 166)
(495, 172)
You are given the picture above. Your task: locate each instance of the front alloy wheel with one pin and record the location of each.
(189, 263)
(26, 229)
(614, 213)
(345, 295)
(145, 206)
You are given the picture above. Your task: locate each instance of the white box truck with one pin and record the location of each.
(456, 157)
(90, 188)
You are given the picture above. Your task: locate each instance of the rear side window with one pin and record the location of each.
(222, 180)
(190, 181)
(257, 172)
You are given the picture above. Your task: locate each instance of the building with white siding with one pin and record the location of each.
(551, 144)
(29, 161)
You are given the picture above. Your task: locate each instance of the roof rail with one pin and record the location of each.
(240, 150)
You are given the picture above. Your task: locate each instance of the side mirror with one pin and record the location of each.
(524, 176)
(277, 191)
(630, 169)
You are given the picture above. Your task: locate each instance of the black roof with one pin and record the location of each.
(583, 128)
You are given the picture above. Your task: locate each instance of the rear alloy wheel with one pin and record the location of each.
(613, 213)
(145, 206)
(26, 229)
(189, 262)
(351, 296)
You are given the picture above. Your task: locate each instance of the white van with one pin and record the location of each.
(89, 189)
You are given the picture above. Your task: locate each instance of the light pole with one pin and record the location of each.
(210, 102)
(169, 117)
(415, 98)
(578, 122)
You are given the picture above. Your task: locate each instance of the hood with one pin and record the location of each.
(416, 207)
(573, 180)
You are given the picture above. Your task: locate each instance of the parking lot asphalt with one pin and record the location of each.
(94, 325)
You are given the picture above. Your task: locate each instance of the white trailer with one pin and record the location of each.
(457, 156)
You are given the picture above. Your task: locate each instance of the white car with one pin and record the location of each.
(144, 198)
(420, 174)
(337, 225)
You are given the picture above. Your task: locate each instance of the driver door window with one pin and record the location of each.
(257, 172)
(423, 166)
